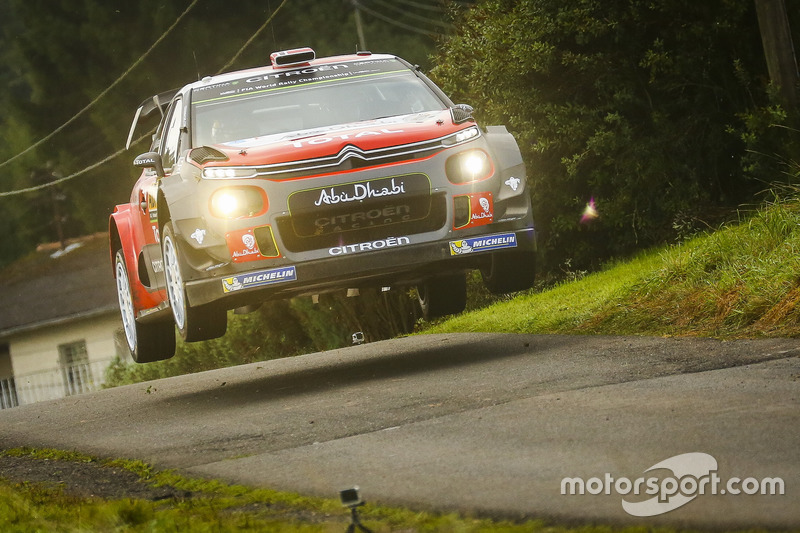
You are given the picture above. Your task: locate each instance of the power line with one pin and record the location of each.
(74, 175)
(414, 16)
(420, 5)
(252, 38)
(397, 23)
(106, 91)
(122, 150)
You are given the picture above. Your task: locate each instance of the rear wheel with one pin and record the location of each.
(146, 342)
(442, 296)
(194, 323)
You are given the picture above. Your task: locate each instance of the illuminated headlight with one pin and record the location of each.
(462, 136)
(471, 165)
(218, 173)
(238, 202)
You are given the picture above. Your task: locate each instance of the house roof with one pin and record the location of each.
(52, 286)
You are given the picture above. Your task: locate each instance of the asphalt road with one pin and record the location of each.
(483, 423)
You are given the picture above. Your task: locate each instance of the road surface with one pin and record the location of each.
(483, 423)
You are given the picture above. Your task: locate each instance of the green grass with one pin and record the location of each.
(740, 281)
(213, 506)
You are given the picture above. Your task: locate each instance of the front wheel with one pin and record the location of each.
(193, 323)
(442, 296)
(510, 272)
(146, 342)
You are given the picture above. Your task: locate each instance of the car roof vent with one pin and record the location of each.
(288, 58)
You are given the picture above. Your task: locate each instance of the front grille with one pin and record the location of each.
(349, 158)
(329, 225)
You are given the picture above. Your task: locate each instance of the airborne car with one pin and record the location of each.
(308, 176)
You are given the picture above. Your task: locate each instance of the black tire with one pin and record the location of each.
(149, 342)
(193, 323)
(442, 296)
(510, 272)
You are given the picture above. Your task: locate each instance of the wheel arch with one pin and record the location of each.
(164, 214)
(120, 235)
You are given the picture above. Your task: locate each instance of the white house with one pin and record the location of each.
(59, 322)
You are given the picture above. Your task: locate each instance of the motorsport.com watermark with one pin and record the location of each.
(693, 474)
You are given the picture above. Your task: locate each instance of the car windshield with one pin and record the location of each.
(308, 99)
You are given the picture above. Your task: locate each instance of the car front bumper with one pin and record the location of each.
(391, 264)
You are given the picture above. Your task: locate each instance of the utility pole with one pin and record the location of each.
(776, 37)
(57, 197)
(362, 43)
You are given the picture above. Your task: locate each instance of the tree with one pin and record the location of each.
(652, 109)
(776, 37)
(59, 55)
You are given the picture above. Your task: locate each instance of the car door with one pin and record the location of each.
(170, 135)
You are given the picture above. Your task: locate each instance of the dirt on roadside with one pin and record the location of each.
(84, 479)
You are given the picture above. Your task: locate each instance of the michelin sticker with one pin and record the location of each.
(483, 244)
(259, 279)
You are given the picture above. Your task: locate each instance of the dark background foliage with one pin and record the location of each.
(659, 111)
(57, 56)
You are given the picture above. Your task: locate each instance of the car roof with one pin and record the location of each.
(160, 101)
(266, 70)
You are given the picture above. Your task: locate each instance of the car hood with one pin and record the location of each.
(327, 141)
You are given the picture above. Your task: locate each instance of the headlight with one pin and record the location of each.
(468, 166)
(218, 173)
(462, 136)
(238, 202)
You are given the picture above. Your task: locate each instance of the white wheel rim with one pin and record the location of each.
(126, 304)
(174, 281)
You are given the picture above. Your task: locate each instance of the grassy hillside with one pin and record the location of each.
(740, 281)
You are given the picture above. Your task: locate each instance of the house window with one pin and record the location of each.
(75, 369)
(8, 389)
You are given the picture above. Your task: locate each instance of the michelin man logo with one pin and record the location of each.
(460, 247)
(231, 284)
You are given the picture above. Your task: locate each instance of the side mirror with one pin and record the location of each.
(150, 160)
(461, 113)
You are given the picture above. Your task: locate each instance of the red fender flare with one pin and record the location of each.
(122, 235)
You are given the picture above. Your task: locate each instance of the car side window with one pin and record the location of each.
(170, 148)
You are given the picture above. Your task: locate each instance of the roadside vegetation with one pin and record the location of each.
(740, 281)
(205, 506)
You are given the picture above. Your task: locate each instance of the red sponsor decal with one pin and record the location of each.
(243, 246)
(481, 210)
